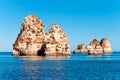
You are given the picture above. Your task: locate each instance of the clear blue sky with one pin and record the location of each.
(82, 20)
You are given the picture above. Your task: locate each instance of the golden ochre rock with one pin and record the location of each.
(33, 41)
(95, 47)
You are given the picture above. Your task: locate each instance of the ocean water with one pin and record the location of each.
(76, 67)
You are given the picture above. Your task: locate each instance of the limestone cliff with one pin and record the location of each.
(33, 40)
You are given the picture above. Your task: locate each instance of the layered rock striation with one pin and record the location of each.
(32, 39)
(95, 47)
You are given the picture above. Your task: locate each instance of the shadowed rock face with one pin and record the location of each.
(95, 47)
(81, 49)
(33, 40)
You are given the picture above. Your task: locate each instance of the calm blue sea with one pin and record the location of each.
(76, 67)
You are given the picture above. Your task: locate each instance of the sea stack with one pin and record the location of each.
(81, 49)
(57, 43)
(33, 41)
(106, 46)
(95, 47)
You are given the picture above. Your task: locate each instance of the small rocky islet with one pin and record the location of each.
(95, 47)
(34, 41)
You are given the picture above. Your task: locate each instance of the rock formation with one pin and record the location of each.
(57, 42)
(95, 47)
(33, 40)
(106, 46)
(81, 49)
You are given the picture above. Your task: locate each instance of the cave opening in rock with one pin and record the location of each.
(41, 51)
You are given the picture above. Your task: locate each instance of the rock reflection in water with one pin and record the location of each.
(99, 57)
(35, 58)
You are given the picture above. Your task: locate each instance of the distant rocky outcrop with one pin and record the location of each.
(95, 47)
(106, 46)
(81, 49)
(33, 41)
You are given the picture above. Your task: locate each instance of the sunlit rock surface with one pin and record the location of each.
(95, 47)
(106, 45)
(33, 41)
(57, 42)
